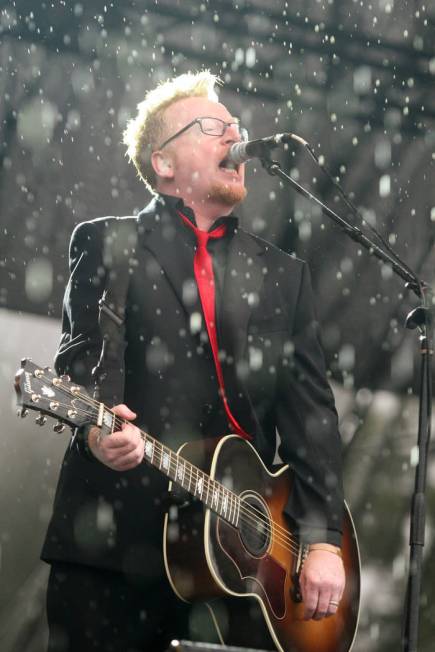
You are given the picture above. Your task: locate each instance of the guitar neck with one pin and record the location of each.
(38, 388)
(214, 495)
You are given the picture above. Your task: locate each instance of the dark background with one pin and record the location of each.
(357, 81)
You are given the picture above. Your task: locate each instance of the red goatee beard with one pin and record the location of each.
(226, 194)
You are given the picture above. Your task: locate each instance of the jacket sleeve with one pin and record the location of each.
(308, 427)
(81, 341)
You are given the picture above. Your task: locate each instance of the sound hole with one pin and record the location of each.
(254, 525)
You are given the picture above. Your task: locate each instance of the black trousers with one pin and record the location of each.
(94, 610)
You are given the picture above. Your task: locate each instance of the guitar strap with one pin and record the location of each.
(119, 247)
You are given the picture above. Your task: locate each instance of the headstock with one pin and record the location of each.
(38, 388)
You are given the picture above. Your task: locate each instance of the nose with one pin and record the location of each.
(232, 134)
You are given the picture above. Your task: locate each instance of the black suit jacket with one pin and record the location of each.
(274, 377)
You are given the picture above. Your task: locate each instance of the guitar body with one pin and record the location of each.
(247, 574)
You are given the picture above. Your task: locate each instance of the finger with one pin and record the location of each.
(119, 440)
(333, 605)
(310, 598)
(123, 411)
(322, 605)
(129, 461)
(127, 432)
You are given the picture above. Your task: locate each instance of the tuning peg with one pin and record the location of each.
(66, 378)
(59, 426)
(22, 412)
(41, 419)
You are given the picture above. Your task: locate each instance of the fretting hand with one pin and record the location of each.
(124, 449)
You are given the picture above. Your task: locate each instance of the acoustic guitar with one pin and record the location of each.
(227, 540)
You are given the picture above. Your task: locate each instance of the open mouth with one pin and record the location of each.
(229, 166)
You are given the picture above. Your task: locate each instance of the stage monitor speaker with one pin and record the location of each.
(190, 646)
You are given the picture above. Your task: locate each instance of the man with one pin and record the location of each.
(108, 589)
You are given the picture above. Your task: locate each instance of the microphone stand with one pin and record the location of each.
(420, 319)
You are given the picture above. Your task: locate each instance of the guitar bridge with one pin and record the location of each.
(295, 591)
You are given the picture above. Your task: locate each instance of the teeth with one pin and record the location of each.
(228, 165)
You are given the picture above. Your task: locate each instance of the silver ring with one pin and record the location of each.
(334, 603)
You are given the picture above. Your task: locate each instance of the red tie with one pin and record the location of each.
(203, 268)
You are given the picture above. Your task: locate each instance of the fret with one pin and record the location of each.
(101, 411)
(199, 485)
(189, 467)
(208, 490)
(231, 508)
(165, 461)
(181, 470)
(149, 450)
(215, 498)
(210, 493)
(236, 522)
(172, 473)
(109, 420)
(236, 511)
(174, 465)
(224, 504)
(178, 462)
(106, 420)
(234, 516)
(196, 478)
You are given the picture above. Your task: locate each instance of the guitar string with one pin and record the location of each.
(250, 513)
(249, 519)
(247, 513)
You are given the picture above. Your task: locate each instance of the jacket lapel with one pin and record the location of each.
(242, 290)
(157, 234)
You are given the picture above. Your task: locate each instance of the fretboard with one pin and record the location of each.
(214, 495)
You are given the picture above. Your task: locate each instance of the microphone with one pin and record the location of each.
(242, 152)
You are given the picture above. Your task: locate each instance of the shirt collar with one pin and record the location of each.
(177, 204)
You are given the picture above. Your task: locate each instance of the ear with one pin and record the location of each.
(163, 165)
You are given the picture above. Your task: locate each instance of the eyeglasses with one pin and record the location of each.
(210, 127)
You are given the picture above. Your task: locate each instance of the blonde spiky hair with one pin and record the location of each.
(144, 132)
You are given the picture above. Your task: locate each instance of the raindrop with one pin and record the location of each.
(346, 357)
(255, 358)
(195, 322)
(382, 153)
(362, 80)
(36, 123)
(39, 280)
(384, 185)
